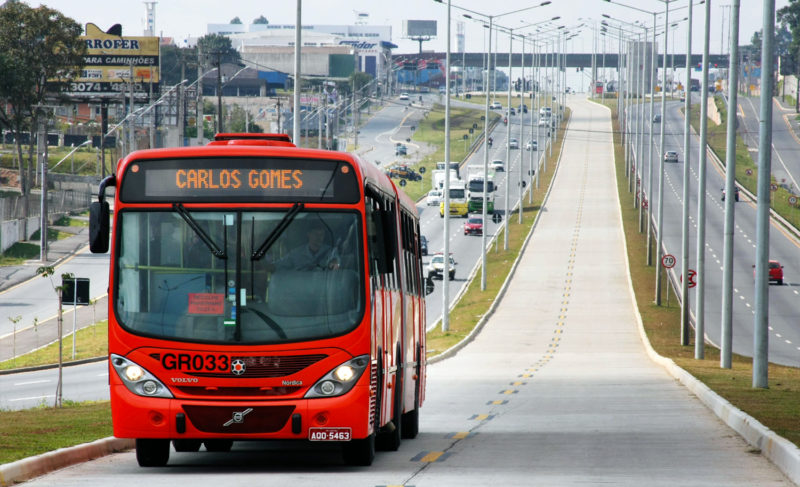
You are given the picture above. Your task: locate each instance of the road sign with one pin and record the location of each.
(793, 200)
(692, 275)
(668, 261)
(71, 295)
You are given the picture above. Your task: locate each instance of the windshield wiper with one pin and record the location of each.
(189, 219)
(277, 231)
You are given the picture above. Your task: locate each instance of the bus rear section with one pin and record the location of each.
(246, 302)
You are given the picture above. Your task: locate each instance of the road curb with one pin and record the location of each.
(28, 468)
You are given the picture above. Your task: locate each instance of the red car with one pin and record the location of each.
(775, 272)
(473, 226)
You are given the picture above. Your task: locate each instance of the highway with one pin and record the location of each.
(558, 389)
(784, 301)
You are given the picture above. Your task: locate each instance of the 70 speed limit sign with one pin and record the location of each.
(668, 261)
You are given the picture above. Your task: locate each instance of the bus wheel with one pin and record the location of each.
(411, 424)
(187, 445)
(218, 445)
(359, 453)
(152, 452)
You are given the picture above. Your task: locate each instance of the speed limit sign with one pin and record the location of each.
(668, 261)
(793, 200)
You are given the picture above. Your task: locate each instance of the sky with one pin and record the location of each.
(189, 18)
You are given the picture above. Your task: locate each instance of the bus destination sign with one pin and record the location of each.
(239, 180)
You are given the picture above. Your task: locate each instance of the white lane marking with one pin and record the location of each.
(31, 398)
(32, 382)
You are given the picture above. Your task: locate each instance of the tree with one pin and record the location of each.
(789, 17)
(172, 57)
(261, 20)
(236, 20)
(239, 122)
(44, 53)
(782, 42)
(218, 48)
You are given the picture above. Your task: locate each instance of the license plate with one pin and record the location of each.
(329, 434)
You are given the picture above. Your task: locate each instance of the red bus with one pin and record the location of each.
(261, 291)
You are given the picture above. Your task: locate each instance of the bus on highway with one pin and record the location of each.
(261, 291)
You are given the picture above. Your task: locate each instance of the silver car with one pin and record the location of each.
(670, 156)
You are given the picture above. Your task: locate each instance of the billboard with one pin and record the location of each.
(419, 28)
(107, 65)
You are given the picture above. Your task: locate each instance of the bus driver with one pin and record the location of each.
(315, 255)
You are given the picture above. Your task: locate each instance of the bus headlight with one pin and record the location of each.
(341, 379)
(137, 379)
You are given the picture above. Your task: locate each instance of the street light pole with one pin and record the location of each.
(726, 343)
(298, 26)
(699, 326)
(687, 109)
(446, 264)
(662, 139)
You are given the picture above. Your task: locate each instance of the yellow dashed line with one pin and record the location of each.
(460, 435)
(432, 456)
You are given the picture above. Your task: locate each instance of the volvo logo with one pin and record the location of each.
(238, 417)
(238, 367)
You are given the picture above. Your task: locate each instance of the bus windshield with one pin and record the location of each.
(172, 282)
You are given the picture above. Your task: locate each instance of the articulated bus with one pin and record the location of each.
(261, 291)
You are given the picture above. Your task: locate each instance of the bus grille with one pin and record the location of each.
(227, 392)
(238, 419)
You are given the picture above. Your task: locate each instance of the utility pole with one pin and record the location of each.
(132, 121)
(181, 106)
(199, 123)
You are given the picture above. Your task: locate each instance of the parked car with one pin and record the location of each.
(403, 172)
(656, 118)
(513, 144)
(775, 272)
(735, 193)
(670, 156)
(403, 96)
(473, 226)
(498, 165)
(496, 105)
(400, 150)
(434, 197)
(532, 145)
(436, 267)
(423, 244)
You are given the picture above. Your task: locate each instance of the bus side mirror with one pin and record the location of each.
(98, 227)
(428, 285)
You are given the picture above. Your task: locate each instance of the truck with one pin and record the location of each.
(475, 192)
(437, 177)
(458, 199)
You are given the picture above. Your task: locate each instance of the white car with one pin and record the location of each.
(403, 96)
(513, 144)
(532, 145)
(434, 197)
(496, 106)
(436, 267)
(498, 165)
(543, 122)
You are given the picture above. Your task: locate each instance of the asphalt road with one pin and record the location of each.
(784, 301)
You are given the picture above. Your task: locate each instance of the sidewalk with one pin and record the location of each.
(58, 251)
